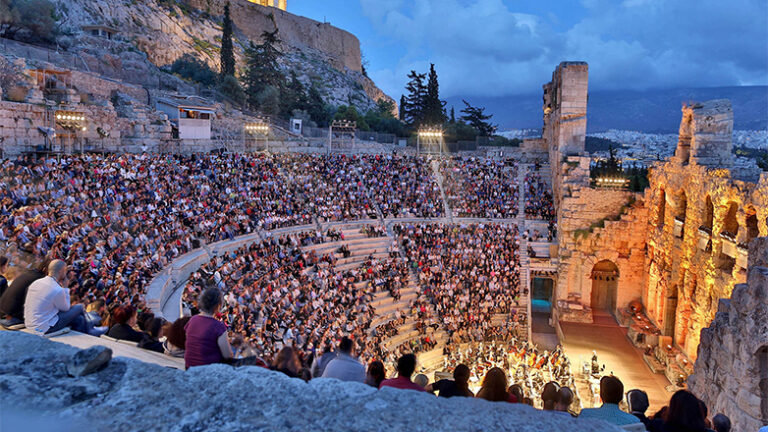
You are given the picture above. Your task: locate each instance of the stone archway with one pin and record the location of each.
(605, 282)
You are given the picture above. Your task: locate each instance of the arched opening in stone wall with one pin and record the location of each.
(752, 230)
(762, 367)
(727, 258)
(670, 312)
(731, 223)
(662, 208)
(605, 282)
(709, 215)
(681, 208)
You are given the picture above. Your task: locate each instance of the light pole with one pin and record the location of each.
(260, 128)
(430, 135)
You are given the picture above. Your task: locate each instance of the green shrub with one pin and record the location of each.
(190, 68)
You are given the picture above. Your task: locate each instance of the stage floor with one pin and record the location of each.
(619, 356)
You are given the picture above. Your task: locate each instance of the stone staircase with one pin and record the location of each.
(439, 179)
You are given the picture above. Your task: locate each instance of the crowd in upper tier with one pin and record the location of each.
(476, 187)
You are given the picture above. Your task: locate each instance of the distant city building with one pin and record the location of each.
(103, 31)
(280, 4)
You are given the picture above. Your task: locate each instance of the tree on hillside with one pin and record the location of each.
(293, 97)
(28, 20)
(317, 109)
(413, 108)
(401, 108)
(263, 72)
(434, 108)
(476, 117)
(227, 53)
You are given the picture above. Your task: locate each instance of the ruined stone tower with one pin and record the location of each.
(705, 134)
(280, 4)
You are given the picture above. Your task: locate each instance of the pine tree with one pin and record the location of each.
(453, 115)
(434, 108)
(227, 53)
(263, 71)
(414, 102)
(293, 97)
(401, 108)
(476, 117)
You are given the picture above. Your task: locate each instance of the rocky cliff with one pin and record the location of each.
(731, 371)
(161, 31)
(128, 395)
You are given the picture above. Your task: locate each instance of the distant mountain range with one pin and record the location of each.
(650, 111)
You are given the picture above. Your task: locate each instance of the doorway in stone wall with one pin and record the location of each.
(605, 282)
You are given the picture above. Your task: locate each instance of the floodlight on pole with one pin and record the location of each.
(342, 129)
(259, 128)
(429, 134)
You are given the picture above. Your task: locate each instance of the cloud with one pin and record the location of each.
(484, 47)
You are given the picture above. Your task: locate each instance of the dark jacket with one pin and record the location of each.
(126, 332)
(12, 301)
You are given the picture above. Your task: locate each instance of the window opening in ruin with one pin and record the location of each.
(752, 230)
(730, 223)
(762, 365)
(670, 312)
(681, 208)
(709, 215)
(662, 208)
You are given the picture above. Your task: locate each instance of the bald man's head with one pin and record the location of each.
(57, 269)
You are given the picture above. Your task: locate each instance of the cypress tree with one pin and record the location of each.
(414, 102)
(227, 53)
(434, 111)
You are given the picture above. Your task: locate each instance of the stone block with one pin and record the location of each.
(88, 361)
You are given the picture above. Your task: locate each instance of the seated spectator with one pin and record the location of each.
(549, 396)
(458, 387)
(517, 391)
(287, 362)
(153, 328)
(345, 367)
(94, 313)
(406, 365)
(611, 392)
(3, 279)
(638, 405)
(124, 321)
(376, 374)
(421, 380)
(684, 414)
(721, 423)
(320, 362)
(494, 387)
(175, 337)
(564, 400)
(12, 301)
(206, 337)
(47, 309)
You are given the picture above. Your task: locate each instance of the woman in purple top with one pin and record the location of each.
(207, 341)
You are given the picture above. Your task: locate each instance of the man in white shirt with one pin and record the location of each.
(47, 309)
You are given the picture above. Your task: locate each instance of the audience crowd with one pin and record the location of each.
(470, 274)
(478, 187)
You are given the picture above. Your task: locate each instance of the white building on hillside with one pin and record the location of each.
(190, 118)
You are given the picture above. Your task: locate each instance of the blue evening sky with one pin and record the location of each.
(507, 47)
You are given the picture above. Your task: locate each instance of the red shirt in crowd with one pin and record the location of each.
(402, 383)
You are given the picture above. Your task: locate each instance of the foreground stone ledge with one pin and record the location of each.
(129, 395)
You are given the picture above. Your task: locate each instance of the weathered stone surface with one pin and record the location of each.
(727, 371)
(88, 361)
(132, 396)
